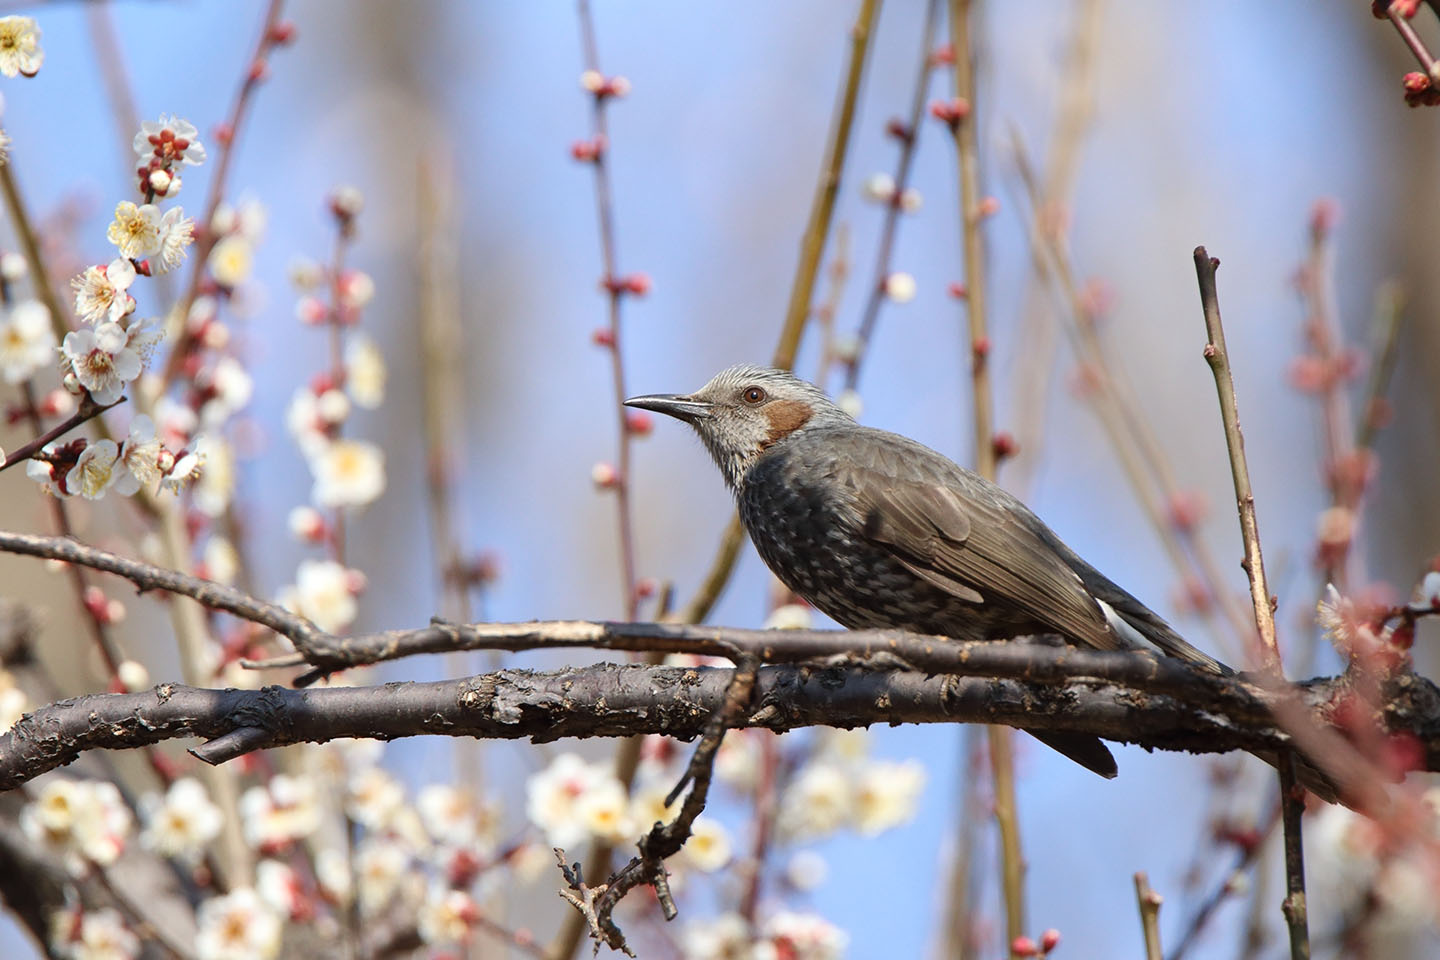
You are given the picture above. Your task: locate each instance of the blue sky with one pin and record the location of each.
(1199, 137)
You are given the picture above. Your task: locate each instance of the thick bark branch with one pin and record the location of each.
(609, 700)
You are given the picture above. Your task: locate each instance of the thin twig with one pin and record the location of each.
(1002, 761)
(1141, 456)
(812, 247)
(1291, 798)
(666, 839)
(1413, 42)
(1149, 902)
(87, 410)
(615, 291)
(909, 137)
(1249, 854)
(254, 74)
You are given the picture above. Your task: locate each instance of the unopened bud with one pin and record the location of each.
(133, 676)
(604, 476)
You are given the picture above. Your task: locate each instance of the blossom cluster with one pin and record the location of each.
(347, 472)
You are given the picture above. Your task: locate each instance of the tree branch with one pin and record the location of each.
(608, 700)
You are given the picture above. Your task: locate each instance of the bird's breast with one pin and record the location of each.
(807, 529)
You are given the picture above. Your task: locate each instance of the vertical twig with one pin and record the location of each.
(909, 137)
(1149, 902)
(1002, 761)
(960, 911)
(1073, 113)
(812, 246)
(615, 292)
(255, 69)
(1291, 799)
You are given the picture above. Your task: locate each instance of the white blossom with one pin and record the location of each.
(900, 287)
(303, 420)
(237, 926)
(231, 260)
(446, 916)
(282, 811)
(97, 469)
(372, 797)
(726, 937)
(151, 141)
(709, 848)
(349, 473)
(27, 340)
(817, 801)
(135, 230)
(379, 868)
(886, 795)
(101, 291)
(102, 360)
(801, 936)
(86, 821)
(99, 935)
(364, 372)
(279, 886)
(215, 485)
(879, 187)
(182, 822)
(322, 594)
(177, 232)
(553, 797)
(20, 51)
(455, 817)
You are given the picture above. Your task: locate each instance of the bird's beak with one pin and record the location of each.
(674, 405)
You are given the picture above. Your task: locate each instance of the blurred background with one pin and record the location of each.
(1219, 124)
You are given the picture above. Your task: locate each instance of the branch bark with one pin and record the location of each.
(609, 700)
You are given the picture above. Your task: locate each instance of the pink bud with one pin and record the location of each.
(282, 33)
(639, 423)
(604, 476)
(958, 290)
(989, 206)
(1049, 940)
(1023, 946)
(638, 284)
(603, 337)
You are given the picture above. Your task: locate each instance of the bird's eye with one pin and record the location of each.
(753, 395)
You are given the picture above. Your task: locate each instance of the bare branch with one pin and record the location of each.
(1214, 715)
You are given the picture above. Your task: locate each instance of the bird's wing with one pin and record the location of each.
(962, 539)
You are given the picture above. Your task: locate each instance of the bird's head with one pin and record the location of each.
(744, 411)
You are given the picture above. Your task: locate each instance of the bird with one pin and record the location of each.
(879, 531)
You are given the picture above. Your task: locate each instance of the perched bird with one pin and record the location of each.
(879, 531)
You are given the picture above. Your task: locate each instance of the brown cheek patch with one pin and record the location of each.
(785, 416)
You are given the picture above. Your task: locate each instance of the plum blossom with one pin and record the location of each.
(94, 935)
(379, 868)
(136, 230)
(817, 802)
(800, 936)
(237, 926)
(726, 937)
(182, 822)
(554, 795)
(98, 468)
(177, 232)
(364, 372)
(349, 473)
(170, 139)
(708, 848)
(323, 594)
(446, 916)
(455, 817)
(27, 341)
(86, 821)
(231, 260)
(886, 794)
(103, 360)
(20, 51)
(141, 453)
(373, 797)
(282, 811)
(101, 291)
